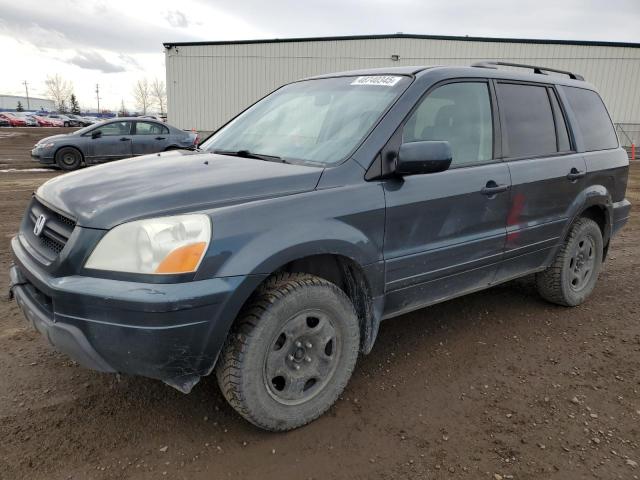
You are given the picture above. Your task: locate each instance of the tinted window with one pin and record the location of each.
(459, 113)
(149, 128)
(592, 117)
(115, 128)
(528, 120)
(564, 145)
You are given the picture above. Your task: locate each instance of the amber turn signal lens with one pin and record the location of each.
(182, 260)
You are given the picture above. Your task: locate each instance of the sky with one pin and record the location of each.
(114, 43)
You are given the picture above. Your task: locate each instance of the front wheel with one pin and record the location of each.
(290, 353)
(573, 274)
(68, 158)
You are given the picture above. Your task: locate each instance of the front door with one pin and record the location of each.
(112, 143)
(445, 232)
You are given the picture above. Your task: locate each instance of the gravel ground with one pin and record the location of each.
(495, 385)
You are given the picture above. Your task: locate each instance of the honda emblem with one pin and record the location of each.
(37, 230)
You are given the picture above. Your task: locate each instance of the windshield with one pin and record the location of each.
(314, 120)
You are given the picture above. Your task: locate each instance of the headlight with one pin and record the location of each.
(156, 246)
(46, 145)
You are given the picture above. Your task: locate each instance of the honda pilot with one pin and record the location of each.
(271, 254)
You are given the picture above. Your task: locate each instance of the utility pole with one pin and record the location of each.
(98, 96)
(26, 87)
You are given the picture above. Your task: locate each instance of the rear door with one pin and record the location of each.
(547, 174)
(445, 232)
(113, 143)
(150, 137)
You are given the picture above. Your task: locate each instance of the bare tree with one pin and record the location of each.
(58, 90)
(159, 93)
(142, 95)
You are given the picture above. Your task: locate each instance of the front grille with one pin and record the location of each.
(55, 234)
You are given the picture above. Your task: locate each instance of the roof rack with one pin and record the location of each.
(536, 69)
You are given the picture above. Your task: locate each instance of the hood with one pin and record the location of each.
(54, 137)
(170, 183)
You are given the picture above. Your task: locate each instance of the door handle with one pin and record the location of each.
(124, 139)
(575, 174)
(492, 188)
(160, 138)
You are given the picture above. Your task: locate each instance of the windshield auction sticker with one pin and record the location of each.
(381, 80)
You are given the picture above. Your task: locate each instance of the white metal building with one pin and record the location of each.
(10, 102)
(209, 82)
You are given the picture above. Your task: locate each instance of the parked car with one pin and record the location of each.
(66, 120)
(32, 121)
(13, 120)
(110, 140)
(47, 122)
(271, 254)
(28, 119)
(154, 117)
(4, 122)
(81, 121)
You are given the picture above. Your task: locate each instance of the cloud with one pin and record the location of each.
(615, 20)
(101, 26)
(92, 60)
(177, 19)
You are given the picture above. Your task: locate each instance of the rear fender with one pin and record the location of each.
(593, 195)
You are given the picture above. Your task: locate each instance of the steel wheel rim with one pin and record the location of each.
(69, 158)
(302, 357)
(582, 263)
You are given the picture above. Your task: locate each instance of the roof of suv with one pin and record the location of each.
(464, 71)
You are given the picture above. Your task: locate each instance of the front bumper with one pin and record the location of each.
(42, 155)
(172, 332)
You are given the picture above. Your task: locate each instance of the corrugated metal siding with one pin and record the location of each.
(208, 84)
(10, 102)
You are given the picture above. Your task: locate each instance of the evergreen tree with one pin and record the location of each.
(75, 108)
(19, 107)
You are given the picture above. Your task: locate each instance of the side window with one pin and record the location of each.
(564, 145)
(528, 120)
(459, 113)
(149, 128)
(592, 118)
(115, 128)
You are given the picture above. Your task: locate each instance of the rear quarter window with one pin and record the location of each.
(592, 118)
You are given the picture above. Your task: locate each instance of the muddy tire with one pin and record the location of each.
(290, 353)
(68, 158)
(574, 271)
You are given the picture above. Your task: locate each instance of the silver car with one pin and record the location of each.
(111, 140)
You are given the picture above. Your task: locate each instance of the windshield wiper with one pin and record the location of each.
(248, 154)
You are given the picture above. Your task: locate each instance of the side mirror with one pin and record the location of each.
(416, 158)
(96, 134)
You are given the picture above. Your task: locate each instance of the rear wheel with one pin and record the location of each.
(291, 352)
(68, 158)
(573, 274)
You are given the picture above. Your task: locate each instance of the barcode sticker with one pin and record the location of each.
(381, 80)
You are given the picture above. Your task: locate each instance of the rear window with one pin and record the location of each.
(529, 126)
(592, 118)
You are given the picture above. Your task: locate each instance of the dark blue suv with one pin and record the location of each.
(271, 254)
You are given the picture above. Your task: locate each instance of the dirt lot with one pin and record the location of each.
(495, 385)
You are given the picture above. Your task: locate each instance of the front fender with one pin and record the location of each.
(259, 237)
